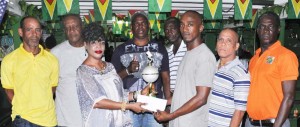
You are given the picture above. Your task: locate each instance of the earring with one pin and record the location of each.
(85, 52)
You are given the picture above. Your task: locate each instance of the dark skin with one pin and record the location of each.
(268, 34)
(140, 28)
(72, 29)
(191, 28)
(173, 35)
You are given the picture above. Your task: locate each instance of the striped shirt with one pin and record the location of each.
(174, 61)
(229, 93)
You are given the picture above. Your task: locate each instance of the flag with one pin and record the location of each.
(155, 25)
(252, 23)
(86, 19)
(294, 9)
(49, 11)
(67, 6)
(174, 13)
(92, 15)
(159, 5)
(242, 9)
(3, 5)
(212, 9)
(118, 26)
(157, 16)
(212, 24)
(103, 10)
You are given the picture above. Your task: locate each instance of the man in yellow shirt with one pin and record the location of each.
(29, 76)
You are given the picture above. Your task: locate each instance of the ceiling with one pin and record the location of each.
(122, 6)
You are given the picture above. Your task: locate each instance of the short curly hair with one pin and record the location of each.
(93, 32)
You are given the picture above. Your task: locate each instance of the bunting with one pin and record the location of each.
(118, 26)
(242, 9)
(174, 13)
(212, 25)
(92, 15)
(157, 16)
(252, 23)
(212, 9)
(49, 10)
(67, 6)
(159, 5)
(103, 10)
(155, 25)
(86, 19)
(294, 9)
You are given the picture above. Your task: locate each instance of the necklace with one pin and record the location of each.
(101, 67)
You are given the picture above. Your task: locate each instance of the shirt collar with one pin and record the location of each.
(231, 64)
(29, 53)
(271, 48)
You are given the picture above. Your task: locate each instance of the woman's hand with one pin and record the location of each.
(136, 107)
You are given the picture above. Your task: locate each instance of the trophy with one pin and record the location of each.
(150, 75)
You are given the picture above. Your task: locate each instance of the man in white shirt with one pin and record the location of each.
(177, 49)
(70, 53)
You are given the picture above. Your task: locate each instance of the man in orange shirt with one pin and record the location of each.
(274, 71)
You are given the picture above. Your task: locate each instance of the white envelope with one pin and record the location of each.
(152, 103)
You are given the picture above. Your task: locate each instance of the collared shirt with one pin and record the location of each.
(31, 78)
(229, 93)
(174, 61)
(267, 72)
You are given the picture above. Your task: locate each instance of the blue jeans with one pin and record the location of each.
(144, 120)
(20, 122)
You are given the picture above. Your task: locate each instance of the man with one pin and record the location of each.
(228, 100)
(29, 75)
(130, 59)
(177, 49)
(274, 71)
(194, 77)
(70, 53)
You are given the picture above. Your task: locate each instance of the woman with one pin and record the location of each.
(102, 99)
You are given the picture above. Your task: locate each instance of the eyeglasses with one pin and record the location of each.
(268, 27)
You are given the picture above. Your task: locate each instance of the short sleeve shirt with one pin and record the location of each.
(267, 72)
(127, 51)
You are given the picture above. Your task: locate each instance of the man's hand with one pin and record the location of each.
(162, 116)
(134, 65)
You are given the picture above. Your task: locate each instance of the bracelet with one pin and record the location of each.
(128, 72)
(123, 106)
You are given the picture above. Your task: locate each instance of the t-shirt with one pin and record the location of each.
(196, 69)
(31, 78)
(174, 61)
(267, 72)
(229, 93)
(127, 51)
(67, 104)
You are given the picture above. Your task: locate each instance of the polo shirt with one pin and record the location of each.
(267, 72)
(31, 78)
(229, 93)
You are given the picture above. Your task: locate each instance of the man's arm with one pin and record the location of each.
(10, 94)
(166, 84)
(237, 118)
(288, 88)
(194, 103)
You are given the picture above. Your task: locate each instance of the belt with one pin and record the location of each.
(266, 122)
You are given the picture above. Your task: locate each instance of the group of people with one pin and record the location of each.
(200, 90)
